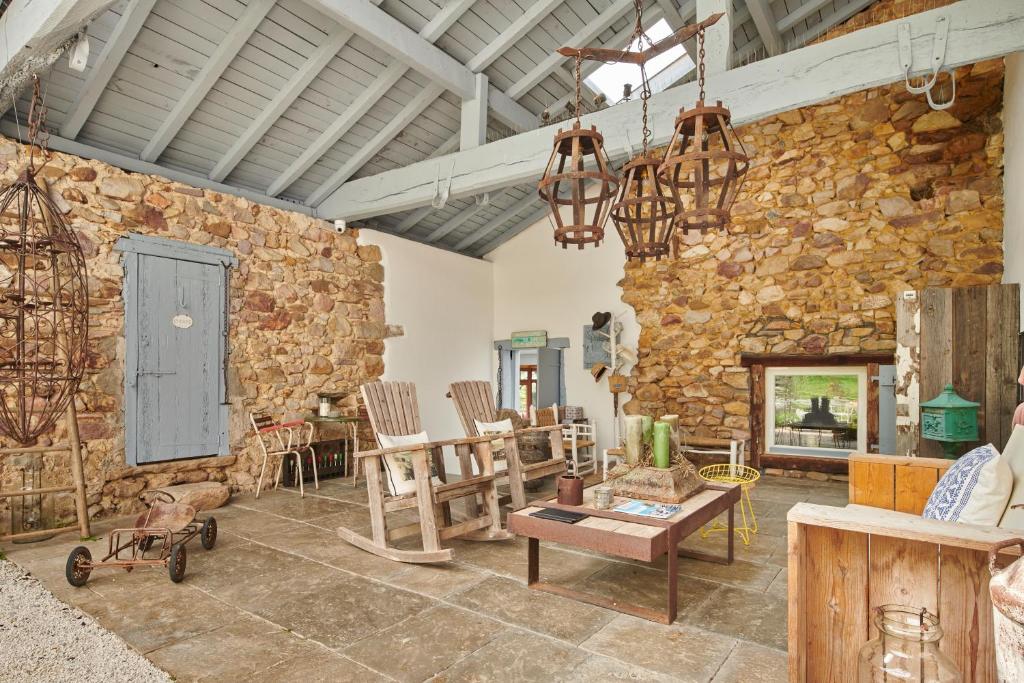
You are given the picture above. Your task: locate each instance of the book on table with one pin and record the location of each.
(642, 509)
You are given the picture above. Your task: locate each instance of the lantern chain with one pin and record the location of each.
(579, 63)
(38, 136)
(700, 63)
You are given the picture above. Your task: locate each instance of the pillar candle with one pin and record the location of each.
(673, 423)
(648, 425)
(634, 433)
(662, 431)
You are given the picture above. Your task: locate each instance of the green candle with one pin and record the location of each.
(648, 423)
(662, 439)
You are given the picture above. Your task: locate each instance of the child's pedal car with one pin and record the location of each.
(157, 539)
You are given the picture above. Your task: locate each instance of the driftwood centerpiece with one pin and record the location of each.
(672, 485)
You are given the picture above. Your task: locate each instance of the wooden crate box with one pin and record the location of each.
(843, 562)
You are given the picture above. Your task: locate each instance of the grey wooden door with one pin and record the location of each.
(549, 377)
(178, 368)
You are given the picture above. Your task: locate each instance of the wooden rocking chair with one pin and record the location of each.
(393, 410)
(474, 401)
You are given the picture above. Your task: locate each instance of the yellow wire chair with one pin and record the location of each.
(726, 473)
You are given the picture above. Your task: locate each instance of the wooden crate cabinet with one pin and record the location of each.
(894, 482)
(843, 562)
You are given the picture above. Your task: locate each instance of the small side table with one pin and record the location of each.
(351, 425)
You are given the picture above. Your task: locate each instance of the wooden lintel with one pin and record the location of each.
(805, 359)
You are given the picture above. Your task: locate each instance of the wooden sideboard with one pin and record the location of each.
(894, 482)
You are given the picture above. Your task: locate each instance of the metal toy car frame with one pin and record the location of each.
(166, 524)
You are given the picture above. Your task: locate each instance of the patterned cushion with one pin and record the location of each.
(398, 466)
(974, 490)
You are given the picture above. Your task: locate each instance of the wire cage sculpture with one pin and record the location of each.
(582, 151)
(44, 303)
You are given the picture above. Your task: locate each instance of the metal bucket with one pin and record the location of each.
(1007, 591)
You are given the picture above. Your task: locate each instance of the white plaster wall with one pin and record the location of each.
(444, 302)
(1013, 172)
(540, 286)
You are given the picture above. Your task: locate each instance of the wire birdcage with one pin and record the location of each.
(44, 303)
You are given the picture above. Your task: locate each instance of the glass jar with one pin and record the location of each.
(906, 649)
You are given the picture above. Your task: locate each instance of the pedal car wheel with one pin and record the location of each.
(176, 563)
(77, 569)
(208, 535)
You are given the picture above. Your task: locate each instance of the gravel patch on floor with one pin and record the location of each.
(42, 639)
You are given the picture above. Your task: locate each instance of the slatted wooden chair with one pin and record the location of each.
(579, 439)
(394, 411)
(474, 401)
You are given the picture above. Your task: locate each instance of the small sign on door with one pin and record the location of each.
(182, 321)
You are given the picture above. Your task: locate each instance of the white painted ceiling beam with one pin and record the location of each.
(414, 108)
(586, 35)
(418, 52)
(511, 35)
(237, 36)
(473, 117)
(866, 58)
(717, 38)
(299, 81)
(761, 13)
(122, 37)
(130, 163)
(35, 33)
(505, 216)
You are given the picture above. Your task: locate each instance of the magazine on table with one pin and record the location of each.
(655, 510)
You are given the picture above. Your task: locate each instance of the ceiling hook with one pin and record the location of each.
(952, 98)
(938, 56)
(440, 197)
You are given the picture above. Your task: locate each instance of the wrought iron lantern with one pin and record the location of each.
(578, 161)
(44, 303)
(705, 162)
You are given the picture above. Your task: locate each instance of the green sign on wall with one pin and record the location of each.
(530, 339)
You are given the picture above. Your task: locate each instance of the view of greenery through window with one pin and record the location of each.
(794, 394)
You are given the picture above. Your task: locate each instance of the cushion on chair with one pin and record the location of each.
(398, 466)
(499, 427)
(974, 490)
(1014, 456)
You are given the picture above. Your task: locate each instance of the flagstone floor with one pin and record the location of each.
(282, 598)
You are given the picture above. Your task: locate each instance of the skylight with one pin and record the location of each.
(610, 78)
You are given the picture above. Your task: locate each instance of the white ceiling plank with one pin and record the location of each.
(512, 34)
(473, 122)
(505, 216)
(866, 58)
(833, 19)
(443, 20)
(35, 32)
(341, 125)
(205, 79)
(413, 219)
(586, 35)
(454, 222)
(414, 108)
(761, 13)
(802, 13)
(130, 163)
(121, 38)
(717, 38)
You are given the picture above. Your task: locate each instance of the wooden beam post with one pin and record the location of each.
(473, 125)
(718, 38)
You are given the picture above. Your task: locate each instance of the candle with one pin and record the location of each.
(633, 432)
(662, 438)
(673, 423)
(648, 424)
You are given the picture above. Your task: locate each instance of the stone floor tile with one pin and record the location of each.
(511, 601)
(749, 615)
(515, 656)
(234, 652)
(749, 662)
(685, 653)
(286, 504)
(645, 586)
(598, 668)
(780, 584)
(435, 580)
(509, 559)
(323, 667)
(750, 575)
(421, 646)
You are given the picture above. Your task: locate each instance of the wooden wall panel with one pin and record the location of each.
(965, 612)
(873, 484)
(936, 352)
(1001, 389)
(969, 358)
(913, 487)
(835, 602)
(908, 372)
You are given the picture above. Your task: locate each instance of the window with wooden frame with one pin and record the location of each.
(527, 387)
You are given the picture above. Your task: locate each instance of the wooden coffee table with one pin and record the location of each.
(627, 536)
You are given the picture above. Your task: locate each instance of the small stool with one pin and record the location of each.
(726, 473)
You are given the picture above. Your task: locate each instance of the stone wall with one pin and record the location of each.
(846, 204)
(307, 313)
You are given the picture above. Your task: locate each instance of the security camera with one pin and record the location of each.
(340, 225)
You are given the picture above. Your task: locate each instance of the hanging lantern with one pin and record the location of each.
(577, 162)
(44, 304)
(578, 157)
(705, 162)
(645, 209)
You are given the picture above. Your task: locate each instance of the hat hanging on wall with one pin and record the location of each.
(600, 320)
(598, 370)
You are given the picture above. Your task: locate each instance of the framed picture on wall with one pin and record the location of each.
(593, 348)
